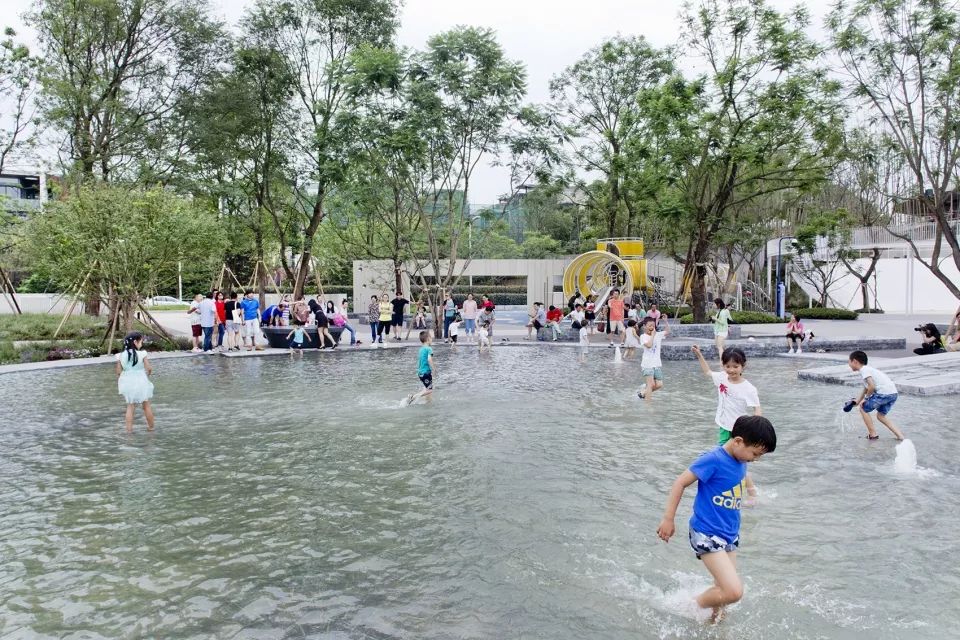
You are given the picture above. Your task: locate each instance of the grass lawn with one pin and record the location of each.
(80, 337)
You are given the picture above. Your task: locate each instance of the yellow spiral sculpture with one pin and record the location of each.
(616, 263)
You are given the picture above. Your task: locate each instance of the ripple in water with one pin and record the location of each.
(286, 499)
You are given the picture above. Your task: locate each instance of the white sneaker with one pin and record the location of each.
(791, 351)
(799, 350)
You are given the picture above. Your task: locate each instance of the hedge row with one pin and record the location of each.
(824, 313)
(757, 317)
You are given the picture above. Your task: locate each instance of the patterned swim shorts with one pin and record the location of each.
(702, 544)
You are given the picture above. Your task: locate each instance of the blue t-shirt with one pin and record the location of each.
(271, 312)
(298, 335)
(250, 308)
(720, 485)
(424, 360)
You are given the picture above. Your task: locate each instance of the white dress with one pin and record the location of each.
(134, 385)
(632, 341)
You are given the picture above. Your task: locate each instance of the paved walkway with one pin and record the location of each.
(932, 375)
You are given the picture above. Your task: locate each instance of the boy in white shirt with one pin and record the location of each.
(651, 364)
(879, 394)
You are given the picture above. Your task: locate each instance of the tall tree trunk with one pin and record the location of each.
(261, 268)
(306, 256)
(398, 274)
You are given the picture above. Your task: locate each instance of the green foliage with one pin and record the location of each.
(742, 317)
(40, 326)
(594, 109)
(118, 75)
(129, 239)
(756, 317)
(536, 246)
(824, 313)
(763, 119)
(18, 77)
(8, 355)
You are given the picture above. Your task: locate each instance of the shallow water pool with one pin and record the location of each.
(283, 499)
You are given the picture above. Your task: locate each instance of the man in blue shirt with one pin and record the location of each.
(251, 319)
(715, 525)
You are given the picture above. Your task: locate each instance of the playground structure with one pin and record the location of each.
(621, 263)
(616, 263)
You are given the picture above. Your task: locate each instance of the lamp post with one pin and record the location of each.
(781, 303)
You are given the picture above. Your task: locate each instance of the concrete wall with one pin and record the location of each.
(903, 285)
(373, 277)
(40, 303)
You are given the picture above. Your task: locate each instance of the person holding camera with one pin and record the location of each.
(932, 341)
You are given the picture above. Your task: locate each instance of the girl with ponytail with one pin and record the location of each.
(133, 382)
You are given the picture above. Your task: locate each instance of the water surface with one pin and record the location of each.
(283, 499)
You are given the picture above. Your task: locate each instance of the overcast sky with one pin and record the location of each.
(546, 35)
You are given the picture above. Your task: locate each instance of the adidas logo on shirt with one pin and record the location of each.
(730, 499)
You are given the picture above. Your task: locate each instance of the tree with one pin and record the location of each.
(318, 39)
(239, 138)
(128, 239)
(764, 119)
(902, 60)
(592, 105)
(375, 211)
(115, 76)
(463, 92)
(819, 245)
(18, 85)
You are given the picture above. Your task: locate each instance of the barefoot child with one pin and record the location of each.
(879, 394)
(484, 342)
(734, 395)
(715, 524)
(133, 382)
(651, 365)
(298, 334)
(631, 340)
(424, 368)
(581, 328)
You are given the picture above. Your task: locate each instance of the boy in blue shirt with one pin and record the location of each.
(424, 368)
(715, 525)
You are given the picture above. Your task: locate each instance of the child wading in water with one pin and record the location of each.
(133, 382)
(715, 524)
(631, 339)
(297, 335)
(651, 365)
(734, 396)
(424, 368)
(879, 394)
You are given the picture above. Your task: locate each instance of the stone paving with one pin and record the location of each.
(932, 375)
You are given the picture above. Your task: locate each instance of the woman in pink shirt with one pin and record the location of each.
(795, 334)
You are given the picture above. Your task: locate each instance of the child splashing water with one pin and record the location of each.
(133, 382)
(715, 524)
(651, 365)
(424, 368)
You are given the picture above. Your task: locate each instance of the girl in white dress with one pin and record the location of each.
(133, 382)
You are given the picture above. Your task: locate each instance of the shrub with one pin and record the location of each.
(742, 317)
(8, 355)
(824, 313)
(40, 326)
